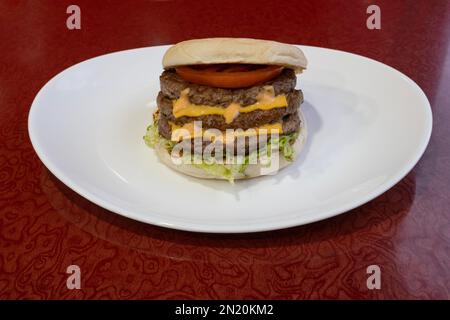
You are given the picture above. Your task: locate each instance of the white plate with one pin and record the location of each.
(368, 126)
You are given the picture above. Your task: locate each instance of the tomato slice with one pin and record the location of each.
(230, 76)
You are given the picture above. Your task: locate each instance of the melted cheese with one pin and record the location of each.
(192, 130)
(266, 100)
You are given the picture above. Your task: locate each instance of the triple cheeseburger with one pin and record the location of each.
(240, 89)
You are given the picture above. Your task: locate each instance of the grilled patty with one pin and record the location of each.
(243, 120)
(172, 84)
(290, 124)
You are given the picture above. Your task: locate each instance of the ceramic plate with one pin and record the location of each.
(368, 125)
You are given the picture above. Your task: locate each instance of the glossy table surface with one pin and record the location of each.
(45, 226)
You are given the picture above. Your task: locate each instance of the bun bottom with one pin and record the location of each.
(252, 170)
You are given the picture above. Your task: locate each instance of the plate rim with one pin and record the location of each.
(236, 228)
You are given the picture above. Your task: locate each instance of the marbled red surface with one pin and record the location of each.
(44, 226)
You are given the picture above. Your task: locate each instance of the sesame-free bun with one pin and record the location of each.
(252, 170)
(234, 50)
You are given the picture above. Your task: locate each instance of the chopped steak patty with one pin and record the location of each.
(290, 124)
(172, 84)
(243, 120)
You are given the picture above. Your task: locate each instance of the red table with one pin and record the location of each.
(45, 227)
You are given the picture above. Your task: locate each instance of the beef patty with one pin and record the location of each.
(172, 84)
(290, 124)
(243, 120)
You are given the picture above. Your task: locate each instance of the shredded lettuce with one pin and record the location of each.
(285, 145)
(222, 170)
(228, 172)
(153, 139)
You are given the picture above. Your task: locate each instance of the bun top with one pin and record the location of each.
(234, 50)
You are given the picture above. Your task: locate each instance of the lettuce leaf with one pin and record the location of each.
(153, 139)
(225, 171)
(285, 145)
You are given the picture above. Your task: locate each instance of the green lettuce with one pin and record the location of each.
(229, 172)
(285, 145)
(153, 139)
(226, 171)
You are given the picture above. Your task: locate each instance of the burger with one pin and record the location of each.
(228, 108)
